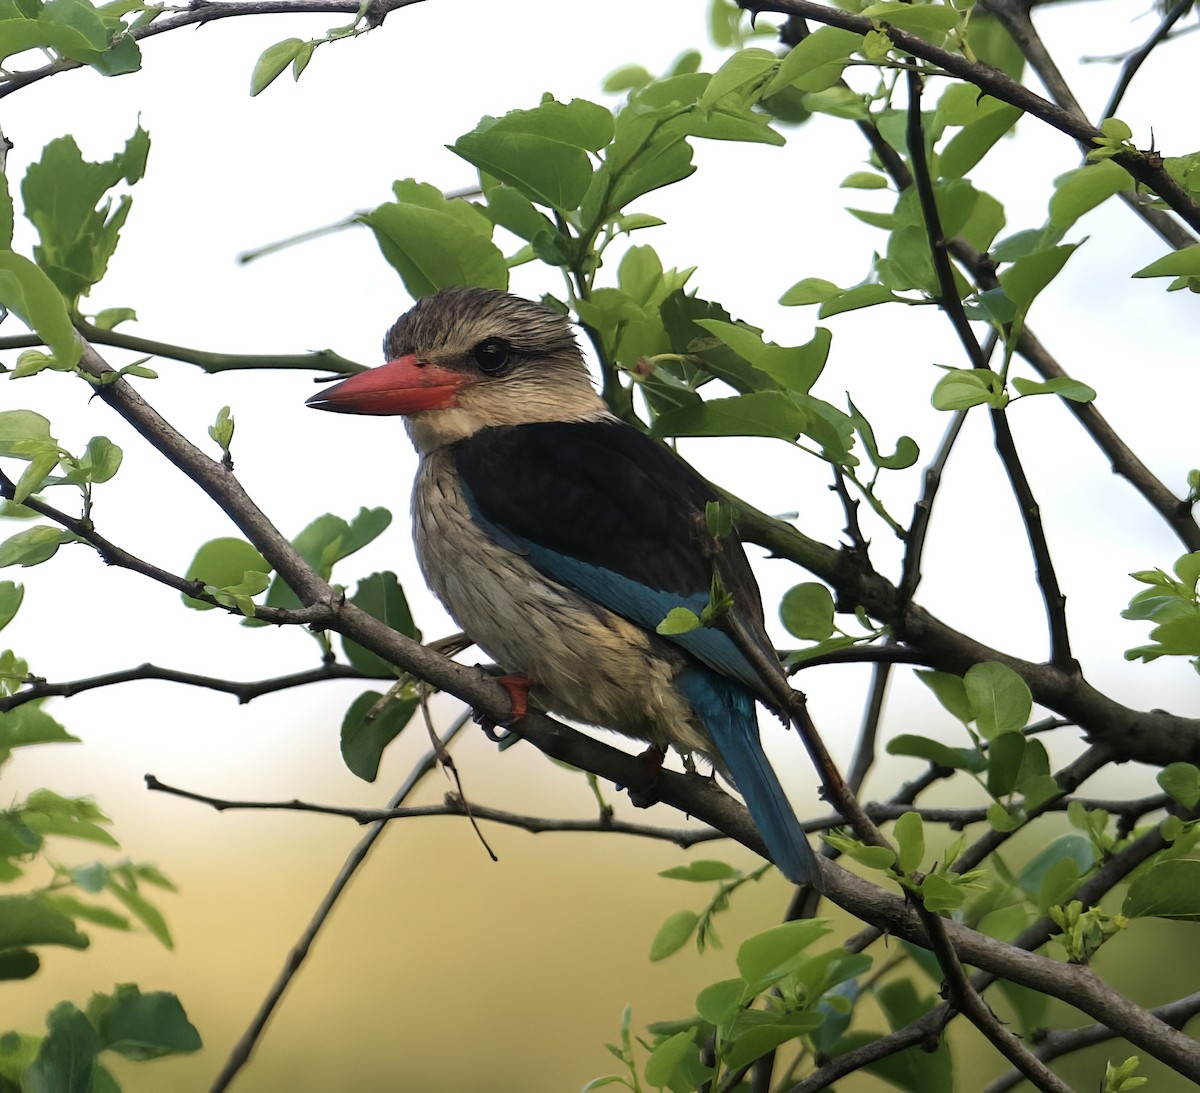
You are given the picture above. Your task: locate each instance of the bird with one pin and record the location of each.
(559, 537)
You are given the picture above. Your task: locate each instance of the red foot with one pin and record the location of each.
(517, 687)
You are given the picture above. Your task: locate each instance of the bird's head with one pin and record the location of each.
(467, 359)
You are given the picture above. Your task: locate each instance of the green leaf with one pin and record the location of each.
(1000, 699)
(929, 21)
(223, 563)
(435, 249)
(1004, 762)
(542, 152)
(11, 595)
(142, 1026)
(811, 290)
(939, 893)
(909, 833)
(1179, 263)
(369, 726)
(669, 1057)
(28, 724)
(766, 958)
(806, 610)
(703, 870)
(816, 62)
(719, 1002)
(122, 885)
(1063, 386)
(921, 747)
(962, 388)
(744, 67)
(679, 620)
(950, 691)
(66, 199)
(29, 920)
(66, 1059)
(673, 934)
(864, 180)
(969, 146)
(1182, 782)
(1080, 190)
(760, 413)
(32, 546)
(1169, 889)
(271, 63)
(796, 368)
(1027, 276)
(30, 295)
(1048, 862)
(381, 596)
(857, 297)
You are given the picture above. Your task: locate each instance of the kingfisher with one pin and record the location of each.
(560, 537)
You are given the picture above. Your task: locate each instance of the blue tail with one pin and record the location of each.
(727, 711)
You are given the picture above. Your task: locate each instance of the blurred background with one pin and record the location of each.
(441, 970)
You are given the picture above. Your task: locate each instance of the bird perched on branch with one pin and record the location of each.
(560, 537)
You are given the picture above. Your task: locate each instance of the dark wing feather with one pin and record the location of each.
(606, 495)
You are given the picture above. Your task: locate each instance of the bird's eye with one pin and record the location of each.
(492, 356)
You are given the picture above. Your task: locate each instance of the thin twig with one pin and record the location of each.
(207, 11)
(1000, 86)
(242, 1050)
(1055, 1043)
(454, 805)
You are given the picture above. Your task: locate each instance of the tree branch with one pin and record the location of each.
(242, 1050)
(1000, 86)
(207, 11)
(454, 805)
(1054, 1043)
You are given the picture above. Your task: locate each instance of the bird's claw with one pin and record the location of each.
(517, 685)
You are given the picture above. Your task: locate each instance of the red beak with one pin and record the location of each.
(403, 386)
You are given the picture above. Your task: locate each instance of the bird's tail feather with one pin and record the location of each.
(727, 712)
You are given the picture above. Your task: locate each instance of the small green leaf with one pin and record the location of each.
(909, 833)
(950, 692)
(673, 935)
(223, 563)
(703, 870)
(806, 610)
(370, 724)
(273, 60)
(1170, 889)
(11, 595)
(1178, 263)
(679, 620)
(1000, 699)
(32, 546)
(142, 1026)
(1063, 386)
(962, 388)
(921, 747)
(1182, 782)
(381, 596)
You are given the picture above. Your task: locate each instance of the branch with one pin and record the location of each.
(243, 691)
(1152, 736)
(206, 11)
(1015, 18)
(454, 805)
(1000, 86)
(242, 1050)
(948, 299)
(320, 360)
(1054, 1043)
